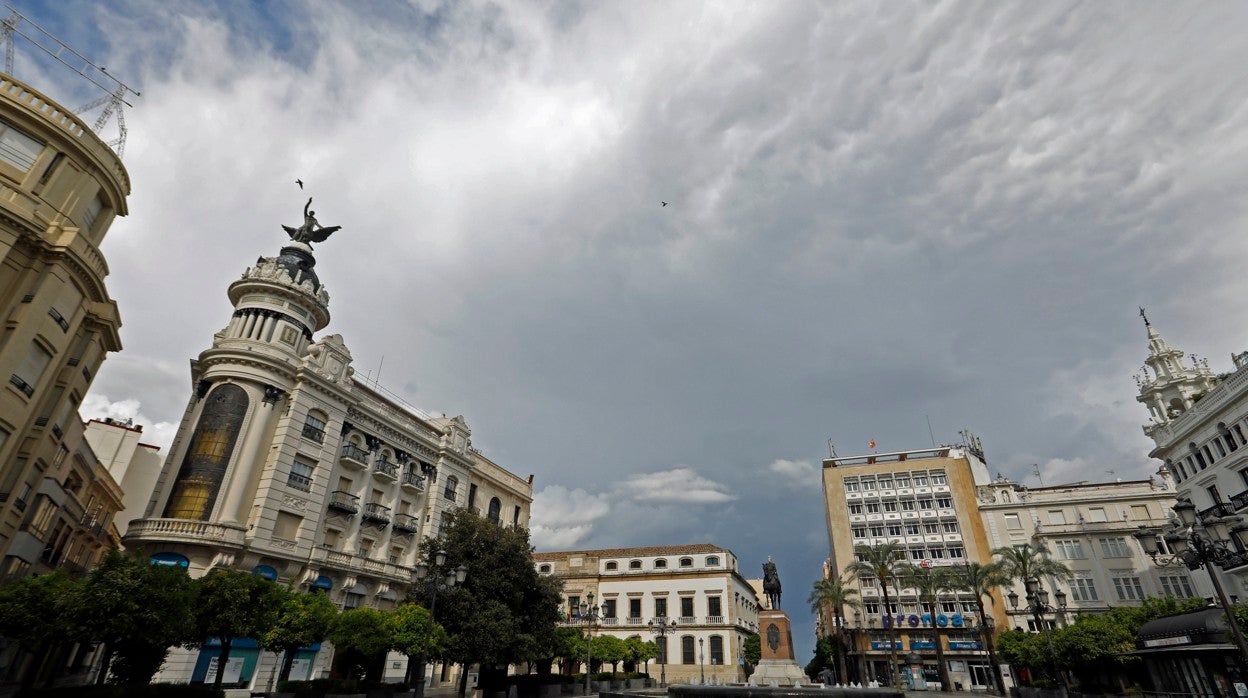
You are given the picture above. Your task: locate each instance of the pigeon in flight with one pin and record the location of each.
(299, 182)
(663, 202)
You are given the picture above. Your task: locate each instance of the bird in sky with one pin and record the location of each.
(299, 182)
(663, 202)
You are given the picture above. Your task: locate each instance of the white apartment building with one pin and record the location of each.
(1089, 527)
(697, 585)
(1198, 421)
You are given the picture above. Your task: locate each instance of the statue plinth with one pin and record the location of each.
(777, 666)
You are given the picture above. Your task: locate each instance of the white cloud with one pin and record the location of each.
(796, 473)
(681, 484)
(97, 405)
(561, 518)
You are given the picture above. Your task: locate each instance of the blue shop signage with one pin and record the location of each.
(965, 645)
(914, 620)
(922, 645)
(877, 645)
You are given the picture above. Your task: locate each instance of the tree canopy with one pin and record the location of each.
(304, 618)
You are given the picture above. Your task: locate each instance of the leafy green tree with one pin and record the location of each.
(982, 580)
(231, 604)
(639, 651)
(1024, 649)
(825, 656)
(35, 613)
(610, 649)
(752, 650)
(137, 610)
(835, 594)
(415, 633)
(567, 646)
(361, 638)
(504, 612)
(929, 582)
(304, 618)
(884, 561)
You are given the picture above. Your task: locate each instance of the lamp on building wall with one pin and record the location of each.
(589, 615)
(449, 579)
(662, 626)
(1204, 539)
(1038, 604)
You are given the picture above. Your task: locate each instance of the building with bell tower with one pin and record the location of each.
(288, 466)
(1198, 421)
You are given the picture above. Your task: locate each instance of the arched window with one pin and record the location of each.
(544, 569)
(212, 444)
(687, 653)
(712, 561)
(495, 507)
(634, 565)
(660, 564)
(686, 562)
(660, 642)
(314, 426)
(612, 566)
(717, 649)
(452, 483)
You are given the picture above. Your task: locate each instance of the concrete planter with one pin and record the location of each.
(550, 690)
(636, 683)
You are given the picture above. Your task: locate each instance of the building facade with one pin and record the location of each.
(1089, 527)
(1198, 421)
(61, 189)
(699, 586)
(286, 465)
(133, 465)
(927, 501)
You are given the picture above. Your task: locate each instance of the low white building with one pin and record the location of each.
(698, 585)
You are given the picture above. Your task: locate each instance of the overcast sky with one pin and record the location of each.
(879, 214)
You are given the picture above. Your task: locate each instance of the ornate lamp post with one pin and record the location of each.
(1038, 604)
(589, 615)
(662, 626)
(701, 658)
(450, 579)
(1204, 539)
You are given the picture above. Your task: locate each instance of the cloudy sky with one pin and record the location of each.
(879, 214)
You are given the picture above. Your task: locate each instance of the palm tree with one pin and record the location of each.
(882, 561)
(929, 583)
(836, 594)
(981, 580)
(1027, 562)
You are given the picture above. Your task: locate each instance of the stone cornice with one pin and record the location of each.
(368, 420)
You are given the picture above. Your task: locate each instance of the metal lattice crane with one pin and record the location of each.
(117, 91)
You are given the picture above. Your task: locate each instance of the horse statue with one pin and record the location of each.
(771, 583)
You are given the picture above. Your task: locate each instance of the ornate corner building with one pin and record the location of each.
(285, 465)
(60, 189)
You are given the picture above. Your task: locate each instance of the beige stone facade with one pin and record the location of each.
(697, 585)
(926, 500)
(60, 189)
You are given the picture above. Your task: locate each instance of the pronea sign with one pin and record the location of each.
(915, 620)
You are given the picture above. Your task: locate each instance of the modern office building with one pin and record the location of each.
(1089, 527)
(286, 465)
(927, 501)
(61, 189)
(1198, 421)
(698, 585)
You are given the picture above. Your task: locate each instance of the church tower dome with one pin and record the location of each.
(1168, 387)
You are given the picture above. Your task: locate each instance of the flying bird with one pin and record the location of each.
(663, 202)
(299, 182)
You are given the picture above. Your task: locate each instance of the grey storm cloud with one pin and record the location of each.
(879, 215)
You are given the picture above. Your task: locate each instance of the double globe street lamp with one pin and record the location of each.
(1211, 537)
(662, 626)
(1038, 604)
(449, 580)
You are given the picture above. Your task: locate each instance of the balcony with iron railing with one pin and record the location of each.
(1239, 501)
(344, 502)
(1215, 511)
(385, 470)
(313, 433)
(413, 481)
(355, 456)
(406, 523)
(375, 513)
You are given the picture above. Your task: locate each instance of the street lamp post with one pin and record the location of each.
(701, 660)
(589, 614)
(1203, 539)
(434, 584)
(662, 626)
(1038, 604)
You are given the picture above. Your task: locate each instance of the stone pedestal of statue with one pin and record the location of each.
(777, 666)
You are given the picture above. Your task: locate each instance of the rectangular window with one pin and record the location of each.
(868, 485)
(314, 428)
(1069, 549)
(92, 212)
(31, 369)
(1128, 588)
(902, 481)
(17, 148)
(920, 481)
(472, 494)
(949, 527)
(931, 528)
(929, 504)
(877, 531)
(608, 608)
(873, 508)
(1096, 514)
(957, 552)
(944, 502)
(907, 505)
(859, 531)
(331, 538)
(851, 485)
(857, 508)
(1177, 585)
(660, 607)
(287, 526)
(289, 335)
(939, 479)
(396, 552)
(912, 529)
(1083, 589)
(894, 529)
(687, 654)
(1115, 547)
(885, 483)
(686, 607)
(1139, 512)
(634, 608)
(366, 547)
(713, 607)
(1012, 521)
(300, 477)
(890, 506)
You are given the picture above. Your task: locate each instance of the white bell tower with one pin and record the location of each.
(1168, 388)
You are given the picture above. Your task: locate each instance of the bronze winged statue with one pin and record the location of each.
(311, 230)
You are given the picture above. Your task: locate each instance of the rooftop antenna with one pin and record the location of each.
(929, 430)
(1035, 468)
(116, 90)
(831, 449)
